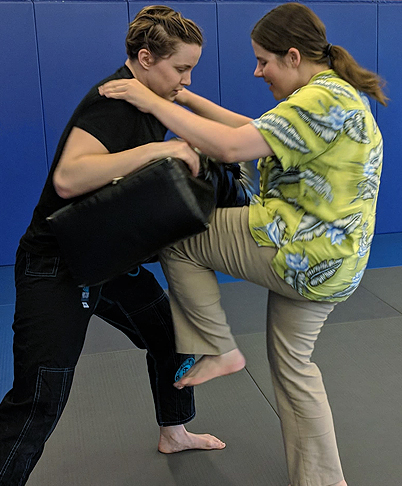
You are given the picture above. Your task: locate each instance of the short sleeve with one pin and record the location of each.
(106, 119)
(302, 127)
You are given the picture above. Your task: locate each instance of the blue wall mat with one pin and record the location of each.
(7, 288)
(390, 118)
(79, 44)
(6, 353)
(240, 90)
(386, 251)
(350, 25)
(205, 80)
(318, 1)
(23, 159)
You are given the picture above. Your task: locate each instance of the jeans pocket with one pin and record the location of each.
(41, 266)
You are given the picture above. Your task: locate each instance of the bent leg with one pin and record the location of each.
(139, 307)
(200, 322)
(49, 331)
(306, 418)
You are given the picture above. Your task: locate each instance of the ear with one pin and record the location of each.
(294, 57)
(145, 58)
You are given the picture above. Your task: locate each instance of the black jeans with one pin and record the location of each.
(51, 320)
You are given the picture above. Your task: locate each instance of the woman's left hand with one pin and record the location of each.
(130, 90)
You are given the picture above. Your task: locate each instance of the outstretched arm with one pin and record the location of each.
(223, 142)
(207, 109)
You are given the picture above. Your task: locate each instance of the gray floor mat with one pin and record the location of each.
(386, 284)
(107, 435)
(362, 369)
(245, 305)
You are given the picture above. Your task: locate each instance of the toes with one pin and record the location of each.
(212, 442)
(219, 444)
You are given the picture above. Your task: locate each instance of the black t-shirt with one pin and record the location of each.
(118, 126)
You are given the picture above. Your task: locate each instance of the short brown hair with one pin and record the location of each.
(159, 29)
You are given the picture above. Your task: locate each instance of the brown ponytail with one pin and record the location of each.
(360, 78)
(295, 25)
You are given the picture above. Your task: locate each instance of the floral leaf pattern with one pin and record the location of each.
(319, 124)
(355, 128)
(364, 242)
(283, 131)
(298, 274)
(335, 88)
(323, 271)
(295, 279)
(275, 231)
(368, 188)
(277, 177)
(309, 227)
(350, 289)
(318, 183)
(338, 229)
(295, 274)
(326, 126)
(365, 100)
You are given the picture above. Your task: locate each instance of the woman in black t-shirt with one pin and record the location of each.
(103, 140)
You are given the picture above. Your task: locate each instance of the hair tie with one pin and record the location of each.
(327, 50)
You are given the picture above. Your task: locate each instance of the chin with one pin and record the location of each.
(278, 96)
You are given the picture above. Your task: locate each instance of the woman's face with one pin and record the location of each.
(166, 77)
(279, 75)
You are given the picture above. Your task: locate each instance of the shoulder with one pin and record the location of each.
(328, 89)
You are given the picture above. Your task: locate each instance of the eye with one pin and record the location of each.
(181, 70)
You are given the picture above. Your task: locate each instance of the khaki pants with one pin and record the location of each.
(293, 325)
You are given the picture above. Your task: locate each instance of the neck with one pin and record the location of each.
(135, 69)
(311, 69)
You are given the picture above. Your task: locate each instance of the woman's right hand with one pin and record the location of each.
(180, 149)
(130, 90)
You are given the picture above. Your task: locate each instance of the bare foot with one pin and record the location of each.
(209, 367)
(177, 439)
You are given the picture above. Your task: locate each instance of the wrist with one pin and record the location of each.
(183, 97)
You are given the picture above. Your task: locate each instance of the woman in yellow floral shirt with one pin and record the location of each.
(319, 190)
(306, 237)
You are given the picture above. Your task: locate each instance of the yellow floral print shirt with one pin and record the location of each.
(318, 194)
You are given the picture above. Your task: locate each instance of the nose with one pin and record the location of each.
(186, 79)
(258, 71)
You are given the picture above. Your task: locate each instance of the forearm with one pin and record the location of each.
(207, 109)
(210, 137)
(85, 173)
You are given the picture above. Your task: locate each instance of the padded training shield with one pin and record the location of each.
(123, 224)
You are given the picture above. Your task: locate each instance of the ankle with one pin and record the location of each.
(171, 431)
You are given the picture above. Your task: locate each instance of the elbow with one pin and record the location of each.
(61, 188)
(229, 156)
(228, 150)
